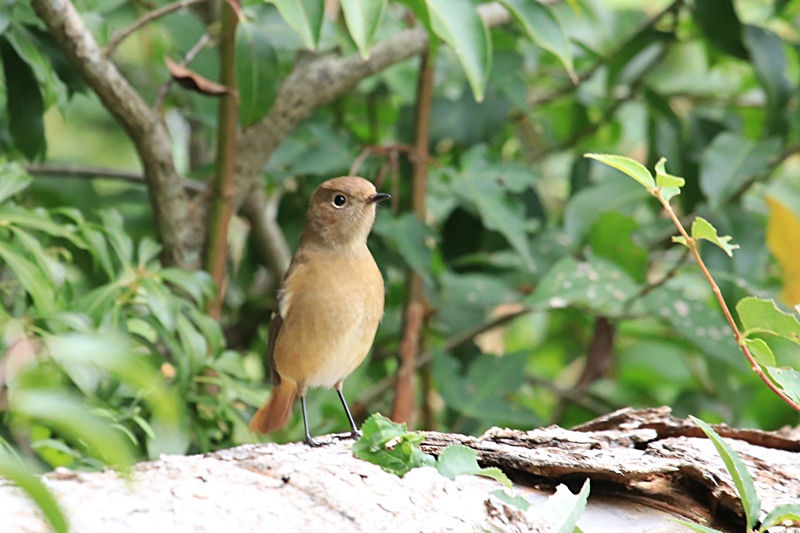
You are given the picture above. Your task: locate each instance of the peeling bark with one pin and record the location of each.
(644, 467)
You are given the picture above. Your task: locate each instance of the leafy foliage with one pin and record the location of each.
(525, 247)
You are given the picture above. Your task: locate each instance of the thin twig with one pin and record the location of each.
(740, 340)
(103, 173)
(123, 34)
(188, 58)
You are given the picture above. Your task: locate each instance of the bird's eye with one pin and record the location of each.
(339, 200)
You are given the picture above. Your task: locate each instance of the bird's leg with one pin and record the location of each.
(354, 433)
(311, 442)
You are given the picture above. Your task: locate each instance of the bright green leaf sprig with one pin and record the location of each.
(757, 315)
(395, 449)
(746, 489)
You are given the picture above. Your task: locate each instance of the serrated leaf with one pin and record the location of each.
(783, 240)
(670, 185)
(458, 24)
(702, 229)
(632, 168)
(256, 78)
(788, 379)
(762, 316)
(780, 514)
(13, 179)
(544, 29)
(739, 473)
(22, 476)
(303, 16)
(565, 508)
(391, 446)
(596, 284)
(730, 161)
(363, 19)
(457, 459)
(760, 351)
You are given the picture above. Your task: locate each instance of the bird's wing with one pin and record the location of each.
(278, 316)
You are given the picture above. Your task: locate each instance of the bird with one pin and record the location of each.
(329, 304)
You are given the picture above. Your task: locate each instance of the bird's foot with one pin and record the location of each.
(356, 434)
(311, 442)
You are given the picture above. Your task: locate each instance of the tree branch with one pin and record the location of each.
(102, 173)
(123, 34)
(320, 81)
(168, 198)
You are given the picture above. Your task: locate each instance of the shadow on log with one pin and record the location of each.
(645, 467)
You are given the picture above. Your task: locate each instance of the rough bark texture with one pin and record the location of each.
(149, 135)
(644, 466)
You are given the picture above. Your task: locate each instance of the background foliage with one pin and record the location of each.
(551, 290)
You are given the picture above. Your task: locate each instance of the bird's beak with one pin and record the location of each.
(378, 197)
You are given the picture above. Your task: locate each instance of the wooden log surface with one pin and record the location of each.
(645, 467)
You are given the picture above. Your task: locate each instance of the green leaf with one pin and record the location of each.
(691, 318)
(563, 508)
(31, 277)
(198, 284)
(256, 73)
(738, 471)
(595, 284)
(762, 316)
(409, 237)
(544, 29)
(24, 103)
(702, 229)
(730, 161)
(457, 460)
(114, 356)
(70, 416)
(585, 208)
(484, 392)
(458, 24)
(23, 477)
(363, 19)
(769, 62)
(670, 185)
(788, 379)
(695, 527)
(781, 513)
(719, 22)
(33, 51)
(515, 501)
(632, 168)
(119, 239)
(390, 446)
(40, 220)
(162, 303)
(305, 17)
(760, 351)
(13, 179)
(612, 238)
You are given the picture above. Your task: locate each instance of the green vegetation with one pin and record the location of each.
(526, 283)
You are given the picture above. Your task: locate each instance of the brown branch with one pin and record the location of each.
(403, 406)
(740, 340)
(123, 34)
(452, 343)
(262, 213)
(168, 198)
(223, 190)
(318, 82)
(103, 173)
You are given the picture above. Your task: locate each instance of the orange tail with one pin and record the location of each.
(275, 412)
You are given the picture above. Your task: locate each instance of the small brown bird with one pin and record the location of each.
(329, 304)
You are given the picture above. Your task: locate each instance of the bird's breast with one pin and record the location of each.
(332, 308)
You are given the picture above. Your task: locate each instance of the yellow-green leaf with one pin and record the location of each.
(783, 240)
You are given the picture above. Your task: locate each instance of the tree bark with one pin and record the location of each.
(645, 467)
